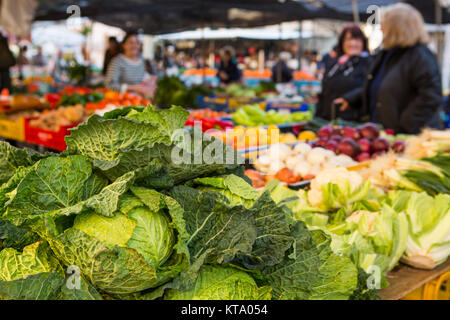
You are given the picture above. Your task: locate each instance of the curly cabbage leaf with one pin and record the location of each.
(274, 236)
(102, 139)
(35, 274)
(310, 270)
(60, 186)
(222, 283)
(12, 158)
(236, 189)
(215, 228)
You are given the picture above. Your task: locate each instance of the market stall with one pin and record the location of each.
(203, 192)
(341, 221)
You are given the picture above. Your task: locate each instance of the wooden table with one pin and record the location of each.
(404, 280)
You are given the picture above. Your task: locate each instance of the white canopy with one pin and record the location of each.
(258, 33)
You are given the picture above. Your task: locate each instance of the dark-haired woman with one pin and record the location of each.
(402, 90)
(345, 75)
(127, 71)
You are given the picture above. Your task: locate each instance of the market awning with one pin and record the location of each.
(427, 8)
(257, 33)
(166, 16)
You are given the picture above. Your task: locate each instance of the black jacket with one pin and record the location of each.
(410, 94)
(232, 70)
(339, 80)
(281, 72)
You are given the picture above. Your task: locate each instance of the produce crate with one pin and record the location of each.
(308, 86)
(213, 102)
(254, 152)
(14, 130)
(287, 106)
(252, 78)
(436, 289)
(220, 103)
(409, 283)
(50, 139)
(234, 103)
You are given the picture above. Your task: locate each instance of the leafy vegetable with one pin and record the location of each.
(12, 158)
(35, 274)
(124, 252)
(253, 115)
(235, 188)
(428, 242)
(138, 206)
(337, 188)
(222, 283)
(311, 270)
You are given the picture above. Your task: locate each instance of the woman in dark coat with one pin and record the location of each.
(402, 90)
(7, 60)
(228, 70)
(347, 73)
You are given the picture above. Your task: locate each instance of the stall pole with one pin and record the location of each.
(299, 45)
(438, 16)
(355, 11)
(203, 46)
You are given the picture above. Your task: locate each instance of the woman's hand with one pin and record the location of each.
(341, 101)
(146, 88)
(223, 75)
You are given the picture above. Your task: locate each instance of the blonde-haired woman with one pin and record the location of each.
(402, 90)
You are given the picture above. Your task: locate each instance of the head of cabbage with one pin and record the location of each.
(131, 250)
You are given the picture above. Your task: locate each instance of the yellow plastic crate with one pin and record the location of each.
(234, 103)
(12, 129)
(437, 289)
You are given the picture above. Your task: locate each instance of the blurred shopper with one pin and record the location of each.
(403, 88)
(112, 51)
(281, 73)
(22, 60)
(60, 66)
(127, 71)
(228, 70)
(329, 59)
(38, 59)
(7, 60)
(347, 73)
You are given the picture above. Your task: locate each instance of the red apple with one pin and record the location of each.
(380, 144)
(350, 132)
(364, 156)
(349, 147)
(321, 142)
(369, 131)
(326, 131)
(332, 145)
(365, 145)
(399, 146)
(335, 137)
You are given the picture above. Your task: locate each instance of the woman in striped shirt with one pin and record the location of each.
(127, 71)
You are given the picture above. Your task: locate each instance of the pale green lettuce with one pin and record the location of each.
(428, 242)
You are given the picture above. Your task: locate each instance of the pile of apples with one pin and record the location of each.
(362, 143)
